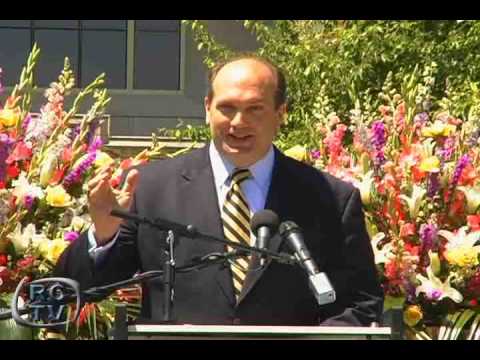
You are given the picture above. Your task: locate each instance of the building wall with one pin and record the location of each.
(131, 51)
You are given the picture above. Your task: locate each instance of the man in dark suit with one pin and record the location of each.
(245, 108)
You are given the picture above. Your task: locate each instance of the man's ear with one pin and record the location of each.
(282, 114)
(207, 103)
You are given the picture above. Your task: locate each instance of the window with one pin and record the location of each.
(93, 47)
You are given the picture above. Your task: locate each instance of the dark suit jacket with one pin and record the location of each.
(182, 190)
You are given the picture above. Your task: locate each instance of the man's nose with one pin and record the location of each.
(239, 119)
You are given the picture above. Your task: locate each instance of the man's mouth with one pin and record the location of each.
(238, 140)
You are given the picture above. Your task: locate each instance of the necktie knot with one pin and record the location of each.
(240, 175)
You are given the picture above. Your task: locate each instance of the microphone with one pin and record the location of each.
(318, 281)
(264, 224)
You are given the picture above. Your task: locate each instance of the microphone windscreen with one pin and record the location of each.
(286, 227)
(264, 218)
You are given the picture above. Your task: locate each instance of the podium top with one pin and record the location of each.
(243, 331)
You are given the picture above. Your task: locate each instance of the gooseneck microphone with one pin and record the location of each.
(318, 281)
(264, 224)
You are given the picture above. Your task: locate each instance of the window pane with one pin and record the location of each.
(158, 25)
(58, 24)
(157, 61)
(105, 24)
(55, 45)
(13, 53)
(104, 51)
(15, 23)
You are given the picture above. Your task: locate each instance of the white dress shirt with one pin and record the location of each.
(255, 190)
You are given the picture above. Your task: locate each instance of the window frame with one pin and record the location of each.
(130, 64)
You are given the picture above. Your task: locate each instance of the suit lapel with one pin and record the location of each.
(200, 185)
(277, 187)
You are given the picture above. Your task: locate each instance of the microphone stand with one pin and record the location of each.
(169, 278)
(168, 272)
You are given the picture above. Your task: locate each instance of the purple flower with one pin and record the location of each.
(428, 236)
(434, 294)
(378, 140)
(433, 184)
(91, 131)
(448, 150)
(378, 135)
(71, 236)
(75, 132)
(75, 175)
(28, 201)
(315, 154)
(6, 144)
(473, 139)
(96, 144)
(421, 118)
(25, 122)
(1, 84)
(461, 164)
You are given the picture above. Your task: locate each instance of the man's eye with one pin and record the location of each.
(226, 108)
(256, 108)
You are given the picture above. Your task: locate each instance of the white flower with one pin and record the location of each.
(435, 289)
(365, 187)
(22, 188)
(415, 201)
(22, 239)
(472, 194)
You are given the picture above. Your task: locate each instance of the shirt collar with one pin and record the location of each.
(222, 168)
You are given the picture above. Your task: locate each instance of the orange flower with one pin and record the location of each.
(473, 222)
(468, 176)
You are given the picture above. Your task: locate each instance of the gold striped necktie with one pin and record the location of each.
(236, 226)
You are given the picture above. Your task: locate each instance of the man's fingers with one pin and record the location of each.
(131, 181)
(100, 176)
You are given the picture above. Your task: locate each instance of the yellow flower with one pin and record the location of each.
(57, 196)
(412, 315)
(297, 152)
(461, 249)
(102, 159)
(52, 249)
(430, 164)
(463, 256)
(438, 128)
(9, 117)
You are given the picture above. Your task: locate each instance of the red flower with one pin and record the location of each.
(418, 175)
(473, 222)
(412, 249)
(13, 171)
(25, 263)
(57, 176)
(20, 152)
(3, 260)
(67, 155)
(458, 204)
(407, 229)
(2, 185)
(468, 176)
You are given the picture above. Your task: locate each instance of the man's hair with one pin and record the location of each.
(280, 96)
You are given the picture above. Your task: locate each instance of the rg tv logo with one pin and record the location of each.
(46, 300)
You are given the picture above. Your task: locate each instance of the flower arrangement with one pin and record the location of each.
(417, 167)
(46, 161)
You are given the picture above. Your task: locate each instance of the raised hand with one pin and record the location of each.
(102, 198)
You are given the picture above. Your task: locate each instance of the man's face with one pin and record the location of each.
(242, 114)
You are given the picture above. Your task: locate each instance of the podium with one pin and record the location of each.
(122, 331)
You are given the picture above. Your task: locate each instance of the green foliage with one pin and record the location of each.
(339, 65)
